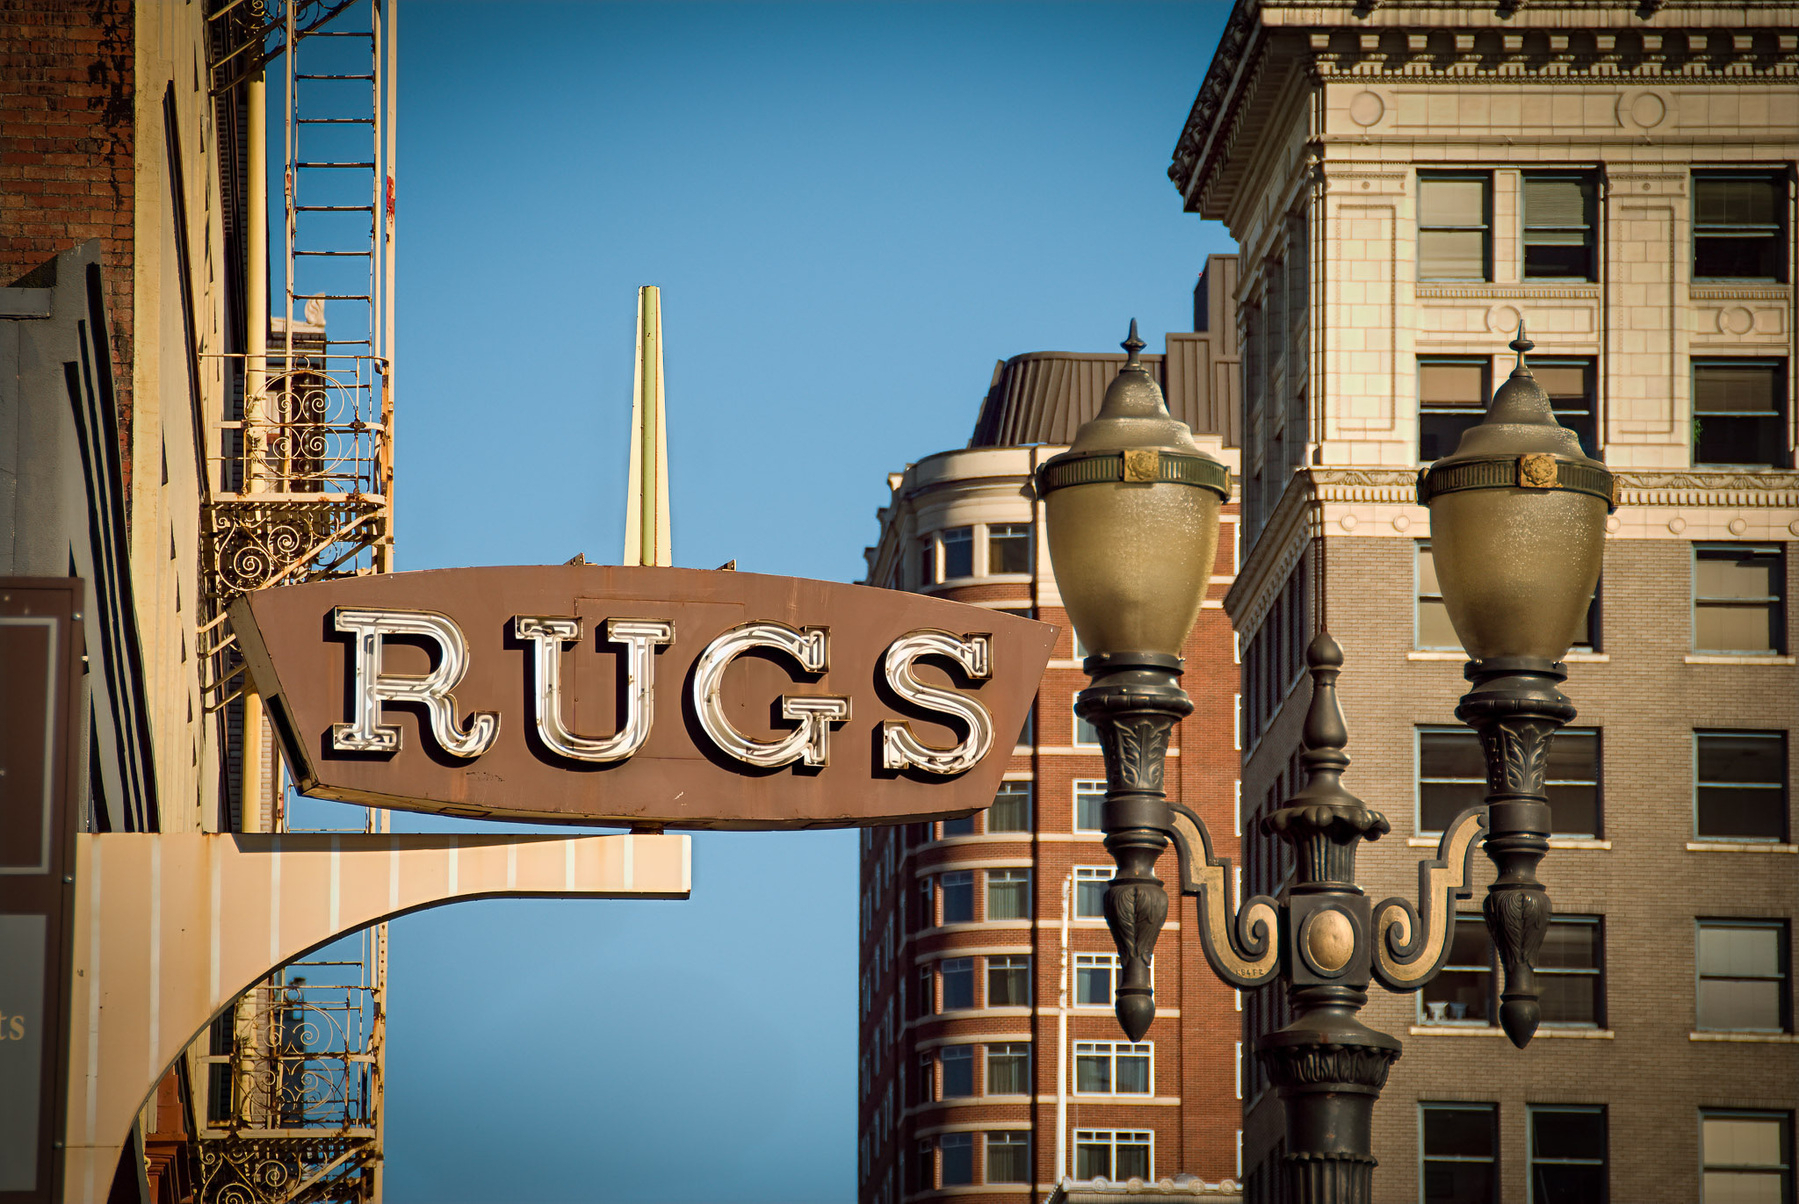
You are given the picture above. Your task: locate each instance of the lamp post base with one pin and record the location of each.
(1329, 1068)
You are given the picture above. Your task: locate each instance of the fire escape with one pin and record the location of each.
(288, 1082)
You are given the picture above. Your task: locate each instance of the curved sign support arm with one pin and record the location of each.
(170, 928)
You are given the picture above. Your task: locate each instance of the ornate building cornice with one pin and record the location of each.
(1699, 487)
(1570, 42)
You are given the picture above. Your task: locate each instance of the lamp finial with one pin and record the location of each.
(1133, 345)
(1521, 344)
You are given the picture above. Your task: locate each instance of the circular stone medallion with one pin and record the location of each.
(1366, 108)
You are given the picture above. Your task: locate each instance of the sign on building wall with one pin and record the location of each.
(40, 785)
(646, 696)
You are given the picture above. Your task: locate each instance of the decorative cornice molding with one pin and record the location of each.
(1697, 487)
(1598, 53)
(1741, 292)
(1507, 292)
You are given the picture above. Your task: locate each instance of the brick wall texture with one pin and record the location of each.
(67, 150)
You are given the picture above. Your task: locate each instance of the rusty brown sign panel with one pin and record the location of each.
(643, 696)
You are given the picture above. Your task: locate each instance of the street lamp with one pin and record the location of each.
(1518, 517)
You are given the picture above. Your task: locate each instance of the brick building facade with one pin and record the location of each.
(1409, 184)
(975, 1080)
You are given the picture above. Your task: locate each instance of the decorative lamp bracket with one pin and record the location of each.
(1411, 943)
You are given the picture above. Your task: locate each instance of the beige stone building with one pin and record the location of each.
(1409, 182)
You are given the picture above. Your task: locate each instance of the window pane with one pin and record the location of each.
(1088, 796)
(1133, 1074)
(1008, 894)
(958, 983)
(1008, 1158)
(1090, 892)
(1741, 1141)
(1093, 985)
(1092, 1160)
(1750, 257)
(1434, 628)
(958, 1158)
(1007, 1072)
(1555, 201)
(1729, 573)
(1744, 629)
(958, 552)
(1009, 548)
(1440, 433)
(1133, 1160)
(1452, 754)
(1737, 1187)
(1458, 1132)
(1452, 255)
(1092, 1073)
(1453, 384)
(1562, 1184)
(1455, 202)
(1742, 757)
(958, 897)
(958, 1071)
(1736, 202)
(1011, 810)
(1569, 998)
(1736, 388)
(1567, 1134)
(1440, 802)
(1427, 573)
(959, 827)
(1574, 810)
(1570, 946)
(1744, 813)
(1732, 1004)
(1739, 951)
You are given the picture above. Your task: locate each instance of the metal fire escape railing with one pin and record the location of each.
(289, 1081)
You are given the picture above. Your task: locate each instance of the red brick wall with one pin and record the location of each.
(67, 141)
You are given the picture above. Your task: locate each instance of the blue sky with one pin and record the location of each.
(853, 210)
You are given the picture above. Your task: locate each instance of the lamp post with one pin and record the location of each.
(1518, 517)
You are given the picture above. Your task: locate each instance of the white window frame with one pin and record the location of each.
(1074, 736)
(1087, 786)
(1112, 1051)
(1090, 873)
(1113, 1138)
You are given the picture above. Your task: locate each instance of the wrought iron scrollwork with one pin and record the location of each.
(1411, 942)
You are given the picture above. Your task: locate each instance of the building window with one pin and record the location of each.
(1112, 1154)
(1111, 1068)
(957, 889)
(1743, 976)
(1567, 1155)
(1009, 1069)
(1569, 975)
(1008, 894)
(959, 827)
(1558, 227)
(924, 1167)
(1028, 733)
(927, 561)
(1094, 974)
(958, 553)
(1569, 383)
(1011, 810)
(958, 1070)
(926, 1087)
(1434, 630)
(1452, 396)
(1009, 548)
(1746, 1156)
(957, 1158)
(1009, 981)
(1460, 1153)
(1462, 991)
(1089, 795)
(1739, 413)
(1452, 776)
(1738, 226)
(1085, 732)
(1455, 215)
(958, 982)
(1738, 595)
(926, 904)
(1008, 1158)
(1090, 882)
(1740, 785)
